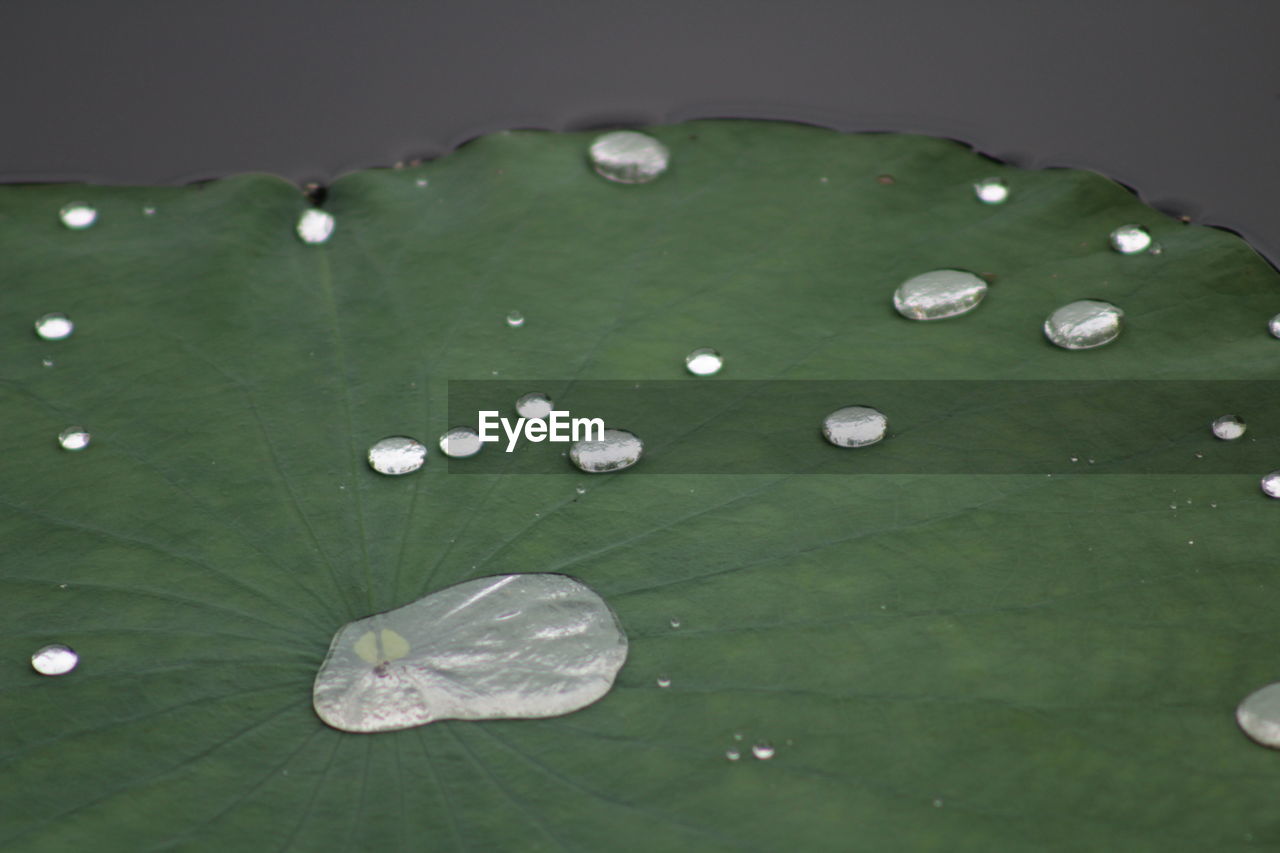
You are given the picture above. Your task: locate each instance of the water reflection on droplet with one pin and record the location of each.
(1274, 326)
(1085, 324)
(74, 438)
(47, 362)
(704, 361)
(315, 226)
(54, 659)
(535, 406)
(460, 442)
(939, 294)
(991, 191)
(1130, 239)
(579, 490)
(1259, 715)
(54, 327)
(732, 754)
(397, 454)
(515, 319)
(762, 750)
(1271, 485)
(675, 623)
(664, 681)
(1228, 427)
(619, 449)
(855, 426)
(78, 216)
(513, 646)
(628, 157)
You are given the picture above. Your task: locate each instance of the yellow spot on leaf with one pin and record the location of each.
(393, 647)
(367, 648)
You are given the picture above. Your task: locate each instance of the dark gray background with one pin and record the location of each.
(1178, 99)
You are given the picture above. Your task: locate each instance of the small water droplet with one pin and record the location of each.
(704, 361)
(78, 216)
(762, 750)
(54, 327)
(74, 438)
(47, 362)
(1156, 249)
(1191, 541)
(991, 191)
(732, 754)
(1228, 427)
(148, 210)
(1271, 485)
(1274, 326)
(1075, 458)
(937, 803)
(1259, 715)
(54, 659)
(1085, 324)
(515, 320)
(315, 226)
(1130, 239)
(675, 623)
(397, 454)
(855, 426)
(887, 180)
(535, 406)
(460, 442)
(619, 449)
(939, 294)
(628, 157)
(663, 681)
(422, 182)
(580, 490)
(737, 735)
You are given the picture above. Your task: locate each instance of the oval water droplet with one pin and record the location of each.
(939, 294)
(619, 449)
(460, 442)
(1271, 485)
(855, 426)
(1085, 324)
(1228, 427)
(580, 490)
(763, 750)
(397, 454)
(1259, 715)
(663, 681)
(675, 623)
(991, 191)
(1130, 239)
(315, 226)
(74, 438)
(1274, 326)
(732, 754)
(148, 210)
(54, 327)
(628, 157)
(78, 216)
(54, 659)
(704, 361)
(514, 646)
(515, 319)
(535, 406)
(47, 362)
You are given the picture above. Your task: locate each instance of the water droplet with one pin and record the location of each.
(74, 438)
(704, 361)
(47, 362)
(422, 182)
(1156, 249)
(315, 226)
(675, 623)
(762, 750)
(461, 654)
(939, 294)
(1130, 239)
(1085, 324)
(663, 681)
(991, 191)
(397, 454)
(148, 211)
(54, 659)
(1273, 326)
(1271, 485)
(460, 442)
(535, 406)
(1075, 458)
(628, 157)
(937, 803)
(580, 490)
(887, 180)
(515, 319)
(732, 754)
(855, 426)
(1228, 427)
(737, 735)
(1259, 715)
(619, 449)
(78, 216)
(54, 327)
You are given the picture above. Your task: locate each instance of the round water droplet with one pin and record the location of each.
(762, 750)
(397, 454)
(855, 426)
(704, 361)
(1271, 485)
(54, 659)
(1259, 715)
(663, 681)
(628, 157)
(1274, 326)
(74, 438)
(937, 803)
(732, 754)
(535, 406)
(515, 319)
(315, 226)
(1228, 427)
(991, 191)
(78, 216)
(1130, 239)
(512, 646)
(460, 442)
(675, 623)
(619, 449)
(1085, 324)
(939, 294)
(54, 327)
